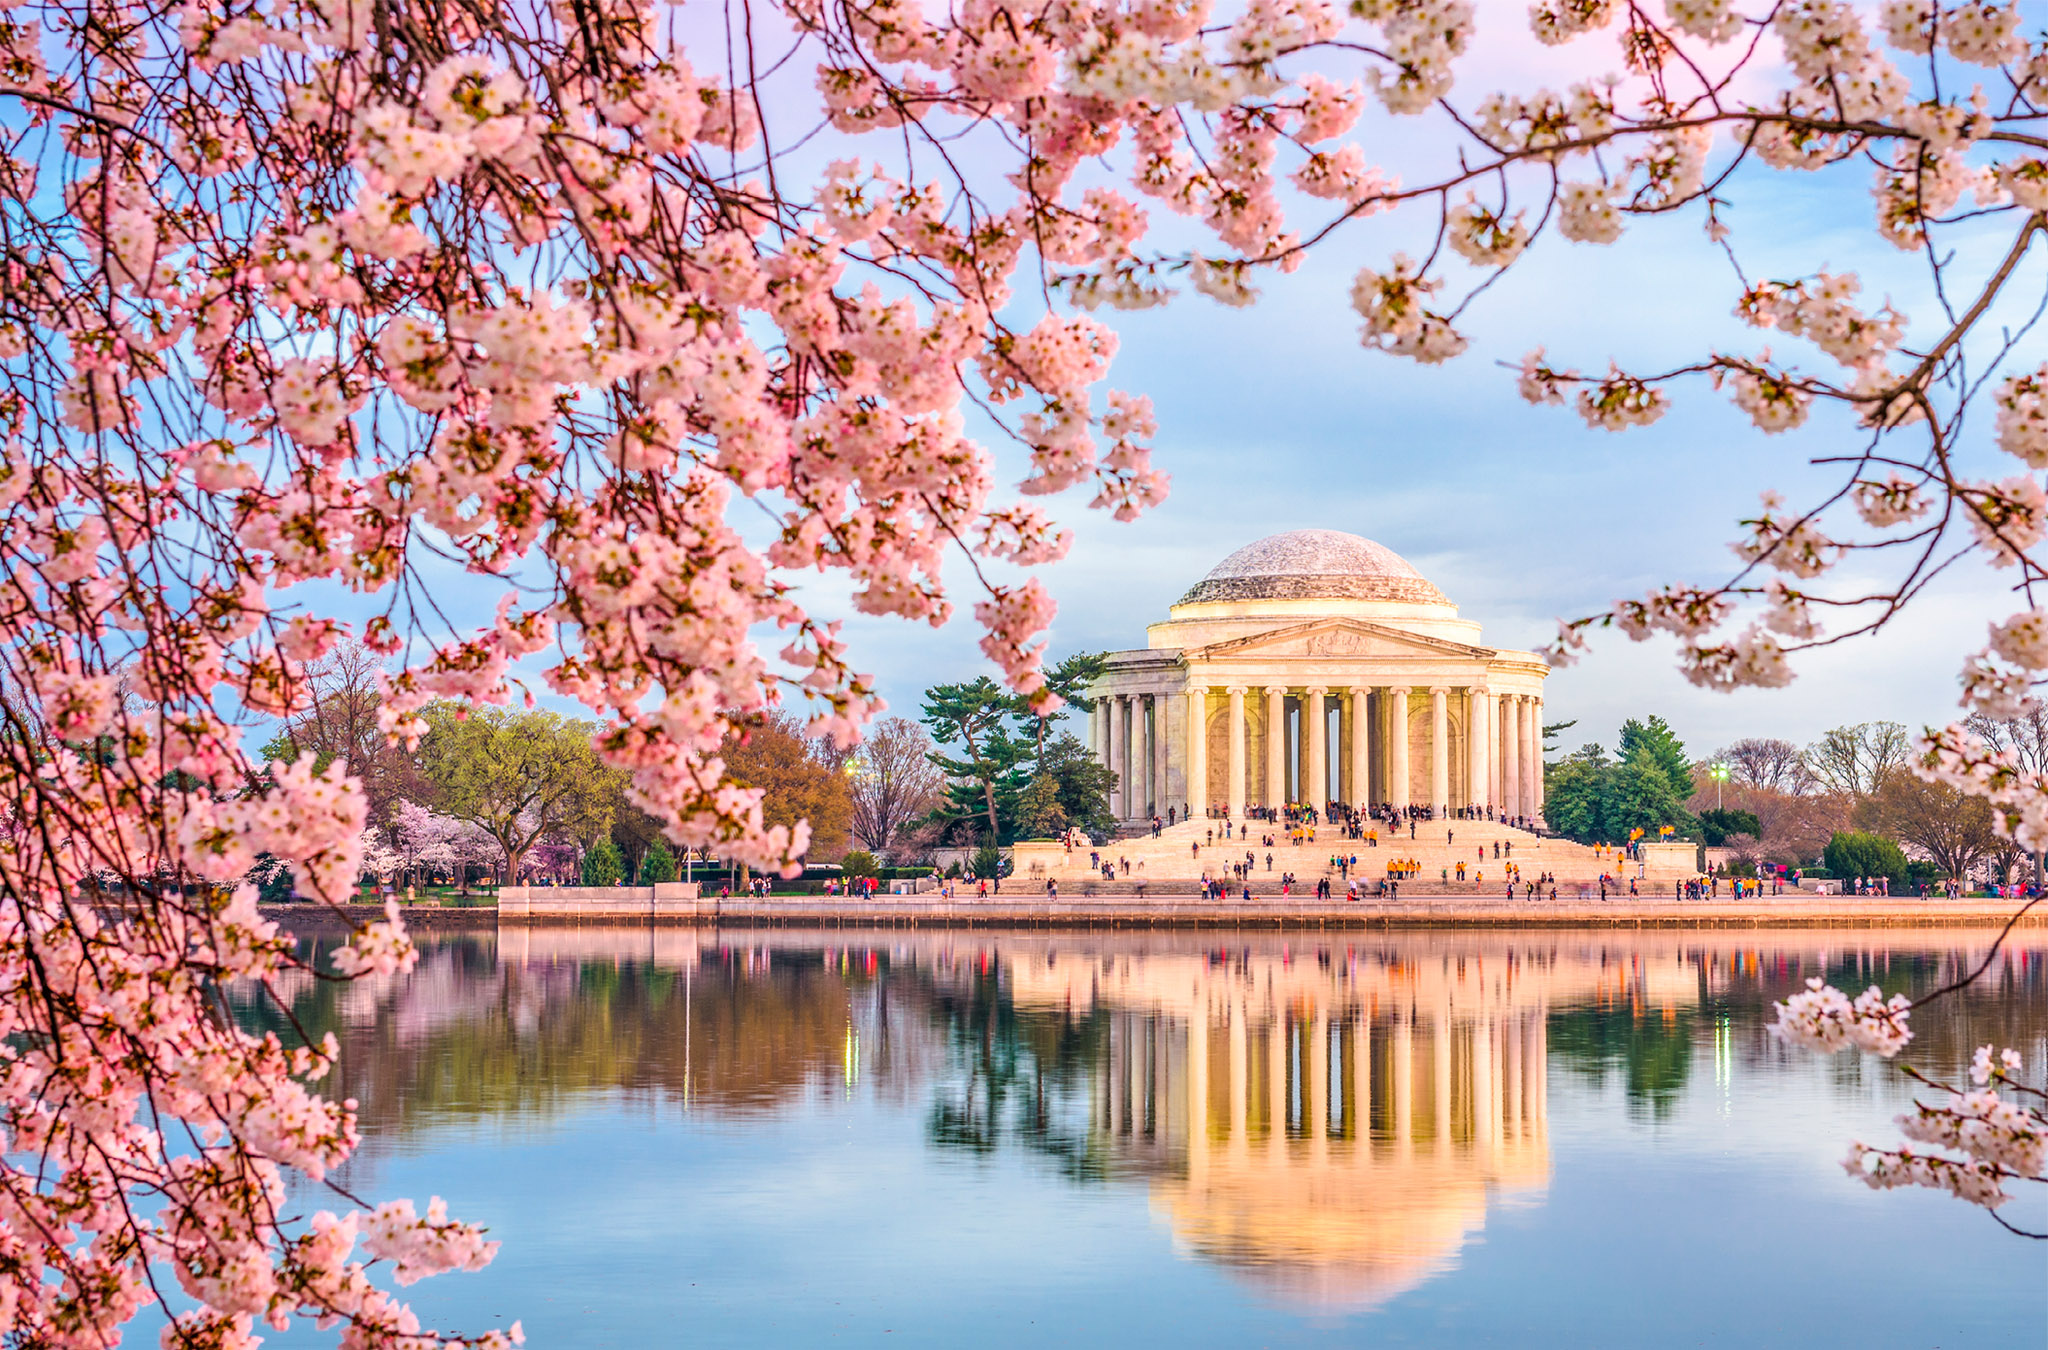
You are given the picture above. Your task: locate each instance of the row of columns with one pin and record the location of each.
(1319, 1077)
(1504, 733)
(1127, 733)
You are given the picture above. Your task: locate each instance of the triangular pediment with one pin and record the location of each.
(1338, 637)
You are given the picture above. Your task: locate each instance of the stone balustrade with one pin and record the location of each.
(680, 898)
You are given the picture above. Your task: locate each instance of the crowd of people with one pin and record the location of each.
(1353, 821)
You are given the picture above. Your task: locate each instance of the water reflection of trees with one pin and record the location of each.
(1653, 1041)
(469, 1036)
(1017, 1078)
(1651, 1051)
(1328, 1117)
(745, 1026)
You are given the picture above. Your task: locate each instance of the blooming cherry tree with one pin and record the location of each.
(1974, 1141)
(305, 299)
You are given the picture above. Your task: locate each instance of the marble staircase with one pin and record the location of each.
(1186, 852)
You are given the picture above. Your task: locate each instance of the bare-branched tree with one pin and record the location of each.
(894, 782)
(1771, 764)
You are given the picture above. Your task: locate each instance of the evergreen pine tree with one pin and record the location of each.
(659, 865)
(602, 865)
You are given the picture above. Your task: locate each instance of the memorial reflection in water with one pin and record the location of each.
(1326, 1117)
(1329, 1126)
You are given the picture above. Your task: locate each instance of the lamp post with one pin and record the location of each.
(1719, 773)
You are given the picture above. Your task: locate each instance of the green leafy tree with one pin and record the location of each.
(1641, 796)
(859, 863)
(1574, 791)
(1593, 799)
(1551, 730)
(1039, 813)
(521, 776)
(1853, 853)
(988, 777)
(658, 864)
(1717, 825)
(1069, 679)
(602, 865)
(1084, 783)
(1652, 744)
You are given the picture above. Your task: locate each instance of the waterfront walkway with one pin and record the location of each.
(1189, 911)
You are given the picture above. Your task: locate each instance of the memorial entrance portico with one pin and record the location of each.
(1318, 667)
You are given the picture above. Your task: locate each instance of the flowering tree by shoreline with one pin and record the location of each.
(1975, 1141)
(304, 299)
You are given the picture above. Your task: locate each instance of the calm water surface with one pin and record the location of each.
(1430, 1139)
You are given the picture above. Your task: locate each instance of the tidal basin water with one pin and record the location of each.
(954, 1138)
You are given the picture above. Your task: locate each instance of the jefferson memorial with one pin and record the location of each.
(1314, 667)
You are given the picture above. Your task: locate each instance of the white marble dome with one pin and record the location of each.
(1314, 565)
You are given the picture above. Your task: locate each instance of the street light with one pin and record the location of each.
(1718, 771)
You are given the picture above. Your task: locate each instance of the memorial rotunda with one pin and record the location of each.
(1317, 666)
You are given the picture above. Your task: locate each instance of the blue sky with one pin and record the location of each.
(1274, 418)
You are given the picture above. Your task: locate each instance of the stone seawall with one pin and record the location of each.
(1296, 911)
(668, 899)
(1129, 911)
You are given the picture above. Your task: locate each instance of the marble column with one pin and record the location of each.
(1439, 748)
(1511, 772)
(1511, 756)
(1198, 751)
(1276, 746)
(1237, 761)
(1532, 757)
(1397, 748)
(1138, 784)
(1361, 748)
(1315, 747)
(1537, 759)
(1162, 754)
(1477, 727)
(1115, 757)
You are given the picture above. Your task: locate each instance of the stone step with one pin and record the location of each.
(1171, 858)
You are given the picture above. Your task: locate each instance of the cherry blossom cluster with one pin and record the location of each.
(1990, 1139)
(634, 318)
(1823, 1018)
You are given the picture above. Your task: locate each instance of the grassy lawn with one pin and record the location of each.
(447, 896)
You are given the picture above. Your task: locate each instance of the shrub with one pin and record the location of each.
(859, 863)
(602, 866)
(659, 865)
(1851, 853)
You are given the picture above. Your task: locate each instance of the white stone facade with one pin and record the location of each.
(1319, 629)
